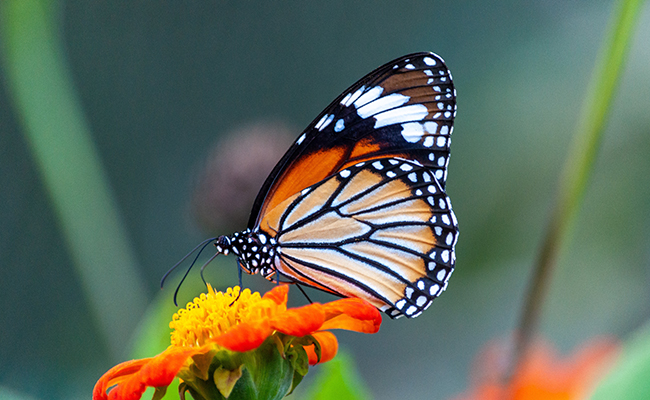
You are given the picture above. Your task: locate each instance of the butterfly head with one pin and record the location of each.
(255, 249)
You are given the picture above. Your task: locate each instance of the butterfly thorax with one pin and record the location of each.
(256, 251)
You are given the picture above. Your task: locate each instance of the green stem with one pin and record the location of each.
(62, 147)
(579, 166)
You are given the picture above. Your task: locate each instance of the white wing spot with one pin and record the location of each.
(413, 177)
(345, 173)
(346, 99)
(431, 127)
(413, 112)
(301, 138)
(441, 275)
(367, 97)
(378, 165)
(450, 238)
(378, 105)
(428, 141)
(321, 121)
(391, 174)
(441, 142)
(354, 97)
(445, 256)
(412, 132)
(405, 167)
(339, 126)
(409, 66)
(434, 289)
(429, 61)
(327, 122)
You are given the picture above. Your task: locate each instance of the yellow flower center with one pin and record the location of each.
(212, 314)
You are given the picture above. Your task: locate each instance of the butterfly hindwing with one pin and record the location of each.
(381, 230)
(402, 109)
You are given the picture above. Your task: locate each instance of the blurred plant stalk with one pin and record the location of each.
(60, 141)
(578, 167)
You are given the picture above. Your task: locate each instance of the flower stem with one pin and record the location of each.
(578, 166)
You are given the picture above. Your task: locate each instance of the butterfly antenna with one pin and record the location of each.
(203, 243)
(205, 265)
(304, 293)
(240, 285)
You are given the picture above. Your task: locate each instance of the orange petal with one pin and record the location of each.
(133, 377)
(328, 344)
(162, 369)
(299, 321)
(115, 375)
(245, 336)
(352, 314)
(279, 294)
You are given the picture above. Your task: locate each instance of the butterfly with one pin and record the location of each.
(357, 206)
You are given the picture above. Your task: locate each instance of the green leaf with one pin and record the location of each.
(629, 379)
(338, 379)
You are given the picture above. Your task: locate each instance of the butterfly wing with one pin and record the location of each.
(382, 230)
(404, 108)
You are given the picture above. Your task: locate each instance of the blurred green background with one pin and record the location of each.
(160, 88)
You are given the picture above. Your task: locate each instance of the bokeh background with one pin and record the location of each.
(189, 104)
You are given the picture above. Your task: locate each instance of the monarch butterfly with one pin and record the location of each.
(357, 206)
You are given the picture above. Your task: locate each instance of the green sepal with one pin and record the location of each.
(268, 372)
(201, 364)
(226, 379)
(159, 393)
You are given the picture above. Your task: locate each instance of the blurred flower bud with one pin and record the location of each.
(235, 171)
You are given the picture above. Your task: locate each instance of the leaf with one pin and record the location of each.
(628, 379)
(338, 379)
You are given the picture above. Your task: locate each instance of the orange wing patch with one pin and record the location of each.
(306, 172)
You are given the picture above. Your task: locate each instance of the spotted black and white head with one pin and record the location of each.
(256, 251)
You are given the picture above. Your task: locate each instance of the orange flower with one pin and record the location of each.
(544, 375)
(220, 337)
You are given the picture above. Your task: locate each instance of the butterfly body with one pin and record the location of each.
(357, 206)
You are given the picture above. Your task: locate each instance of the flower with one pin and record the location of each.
(543, 375)
(239, 344)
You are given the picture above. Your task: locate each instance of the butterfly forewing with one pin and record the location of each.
(381, 230)
(402, 109)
